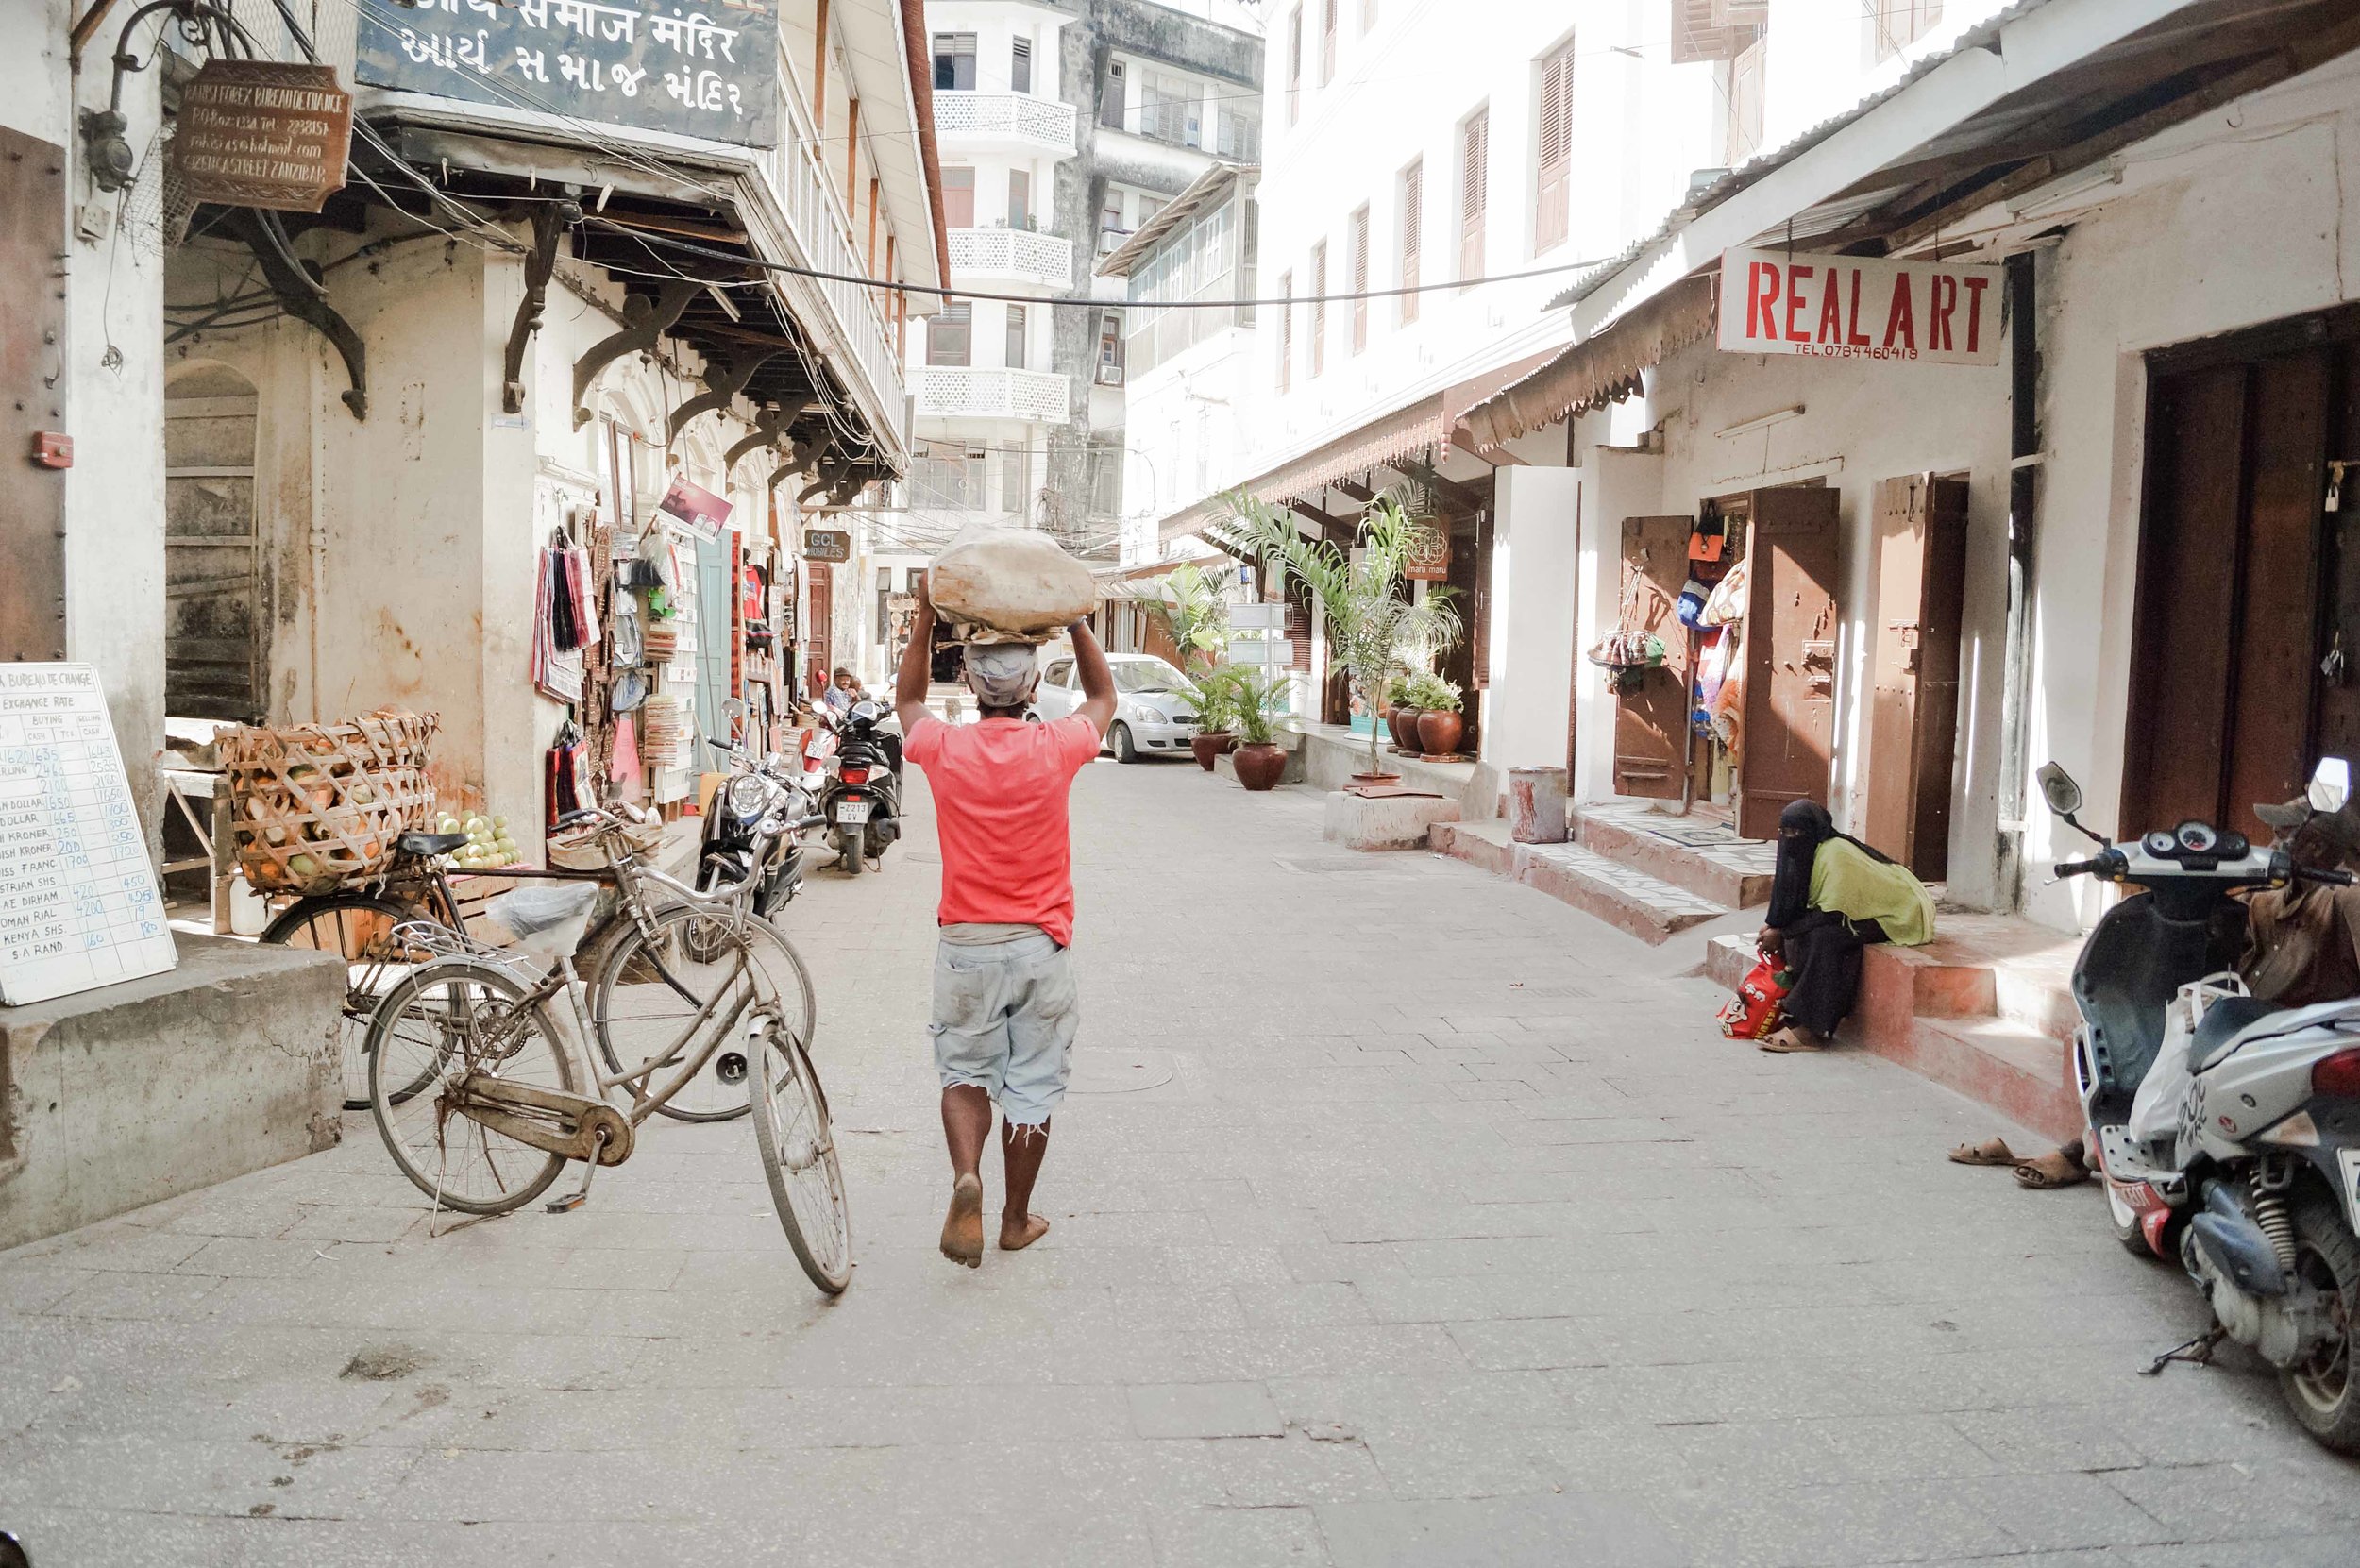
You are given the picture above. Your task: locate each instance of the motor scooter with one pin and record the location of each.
(2241, 1161)
(864, 799)
(750, 830)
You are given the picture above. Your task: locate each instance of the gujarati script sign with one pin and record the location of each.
(1857, 307)
(263, 133)
(706, 68)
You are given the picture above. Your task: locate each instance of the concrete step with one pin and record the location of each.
(1692, 853)
(2022, 1074)
(1629, 899)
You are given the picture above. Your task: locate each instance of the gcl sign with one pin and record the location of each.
(1855, 308)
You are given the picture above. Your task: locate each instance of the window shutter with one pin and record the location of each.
(1475, 159)
(1295, 64)
(1021, 66)
(1714, 29)
(1552, 214)
(1360, 279)
(1327, 42)
(1318, 307)
(1412, 228)
(1285, 328)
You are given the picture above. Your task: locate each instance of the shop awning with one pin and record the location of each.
(1400, 434)
(1600, 370)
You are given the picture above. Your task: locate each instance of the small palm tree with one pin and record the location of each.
(1187, 605)
(1370, 632)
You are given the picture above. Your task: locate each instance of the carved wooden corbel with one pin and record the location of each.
(769, 425)
(724, 379)
(643, 323)
(304, 298)
(549, 222)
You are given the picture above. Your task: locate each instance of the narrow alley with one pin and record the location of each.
(1401, 1215)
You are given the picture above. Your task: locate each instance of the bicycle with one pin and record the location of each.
(477, 1093)
(630, 975)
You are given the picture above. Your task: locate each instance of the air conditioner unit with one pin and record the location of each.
(1110, 374)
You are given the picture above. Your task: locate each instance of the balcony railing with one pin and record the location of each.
(1046, 259)
(956, 391)
(815, 212)
(1016, 117)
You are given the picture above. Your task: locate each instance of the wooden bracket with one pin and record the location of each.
(769, 425)
(303, 296)
(643, 323)
(549, 222)
(724, 379)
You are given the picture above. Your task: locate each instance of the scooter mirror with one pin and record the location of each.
(2058, 788)
(2330, 784)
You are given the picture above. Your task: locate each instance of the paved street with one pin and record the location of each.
(1402, 1216)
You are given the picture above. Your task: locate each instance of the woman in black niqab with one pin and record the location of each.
(1820, 948)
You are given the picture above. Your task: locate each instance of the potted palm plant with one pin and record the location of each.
(1440, 724)
(1188, 606)
(1215, 694)
(1258, 701)
(1370, 630)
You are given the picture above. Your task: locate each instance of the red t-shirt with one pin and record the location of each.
(1000, 809)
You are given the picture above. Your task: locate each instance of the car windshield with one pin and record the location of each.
(1144, 675)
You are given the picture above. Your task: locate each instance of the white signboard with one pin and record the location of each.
(1856, 308)
(79, 902)
(1258, 617)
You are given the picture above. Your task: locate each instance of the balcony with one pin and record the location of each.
(1046, 260)
(957, 392)
(1012, 122)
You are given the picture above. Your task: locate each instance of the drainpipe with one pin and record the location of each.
(2023, 534)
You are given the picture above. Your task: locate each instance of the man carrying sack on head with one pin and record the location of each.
(1004, 1004)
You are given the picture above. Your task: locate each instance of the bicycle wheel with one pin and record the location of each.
(650, 1003)
(798, 1144)
(445, 1020)
(358, 928)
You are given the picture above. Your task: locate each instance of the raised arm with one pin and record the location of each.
(1098, 681)
(918, 662)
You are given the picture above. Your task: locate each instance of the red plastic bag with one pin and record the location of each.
(1760, 1006)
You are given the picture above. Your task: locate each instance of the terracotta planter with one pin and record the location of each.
(1404, 724)
(1209, 745)
(1259, 767)
(1438, 729)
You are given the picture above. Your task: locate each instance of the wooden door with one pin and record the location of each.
(1913, 718)
(213, 561)
(1788, 730)
(1651, 723)
(2227, 644)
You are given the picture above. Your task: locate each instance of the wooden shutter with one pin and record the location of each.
(1412, 228)
(1788, 730)
(1327, 42)
(1360, 279)
(1298, 631)
(1474, 165)
(1319, 308)
(1553, 204)
(1020, 65)
(1285, 328)
(1711, 29)
(1295, 64)
(1651, 722)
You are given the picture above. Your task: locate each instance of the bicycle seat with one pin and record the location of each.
(427, 845)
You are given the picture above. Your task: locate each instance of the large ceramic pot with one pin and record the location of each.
(1403, 722)
(1210, 744)
(1438, 729)
(1259, 767)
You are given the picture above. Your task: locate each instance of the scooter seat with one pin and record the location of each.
(2222, 1022)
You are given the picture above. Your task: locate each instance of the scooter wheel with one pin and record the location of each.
(2323, 1391)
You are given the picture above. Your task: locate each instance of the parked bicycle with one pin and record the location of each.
(632, 990)
(481, 1096)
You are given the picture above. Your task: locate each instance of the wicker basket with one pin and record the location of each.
(316, 805)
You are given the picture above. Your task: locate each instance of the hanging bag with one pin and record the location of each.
(1759, 1008)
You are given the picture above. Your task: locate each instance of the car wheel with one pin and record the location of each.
(1126, 749)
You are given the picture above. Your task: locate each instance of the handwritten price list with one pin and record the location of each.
(79, 902)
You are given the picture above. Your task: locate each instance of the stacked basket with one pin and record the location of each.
(316, 805)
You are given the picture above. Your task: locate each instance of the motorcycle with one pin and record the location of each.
(864, 797)
(2240, 1159)
(750, 829)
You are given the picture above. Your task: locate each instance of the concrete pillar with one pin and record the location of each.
(1621, 485)
(1534, 532)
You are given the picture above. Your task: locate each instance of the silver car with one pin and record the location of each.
(1152, 712)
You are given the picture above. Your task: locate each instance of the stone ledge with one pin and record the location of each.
(1384, 821)
(162, 1084)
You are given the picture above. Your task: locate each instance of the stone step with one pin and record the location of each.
(1717, 866)
(1629, 899)
(2024, 1074)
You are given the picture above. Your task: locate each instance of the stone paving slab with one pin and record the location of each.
(1455, 1234)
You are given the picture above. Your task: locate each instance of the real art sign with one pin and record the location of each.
(1858, 308)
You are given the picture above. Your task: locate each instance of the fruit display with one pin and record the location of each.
(488, 842)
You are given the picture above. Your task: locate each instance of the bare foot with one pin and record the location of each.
(1015, 1238)
(962, 1227)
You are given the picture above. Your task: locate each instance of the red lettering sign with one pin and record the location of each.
(1859, 307)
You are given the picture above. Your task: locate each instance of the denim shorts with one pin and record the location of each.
(1004, 1019)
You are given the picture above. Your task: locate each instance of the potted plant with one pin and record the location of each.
(1257, 699)
(1188, 606)
(1215, 694)
(1401, 713)
(1370, 632)
(1439, 722)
